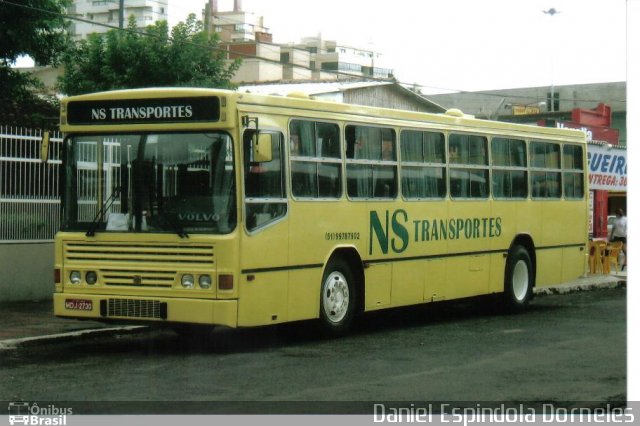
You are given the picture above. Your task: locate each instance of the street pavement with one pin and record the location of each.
(23, 323)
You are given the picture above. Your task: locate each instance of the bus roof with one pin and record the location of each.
(298, 102)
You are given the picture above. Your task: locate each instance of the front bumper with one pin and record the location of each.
(143, 309)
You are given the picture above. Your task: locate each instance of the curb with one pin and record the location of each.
(27, 341)
(613, 282)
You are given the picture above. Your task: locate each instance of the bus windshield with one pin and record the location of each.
(170, 182)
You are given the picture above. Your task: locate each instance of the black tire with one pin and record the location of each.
(337, 298)
(518, 280)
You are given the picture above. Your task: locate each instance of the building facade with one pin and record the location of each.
(532, 104)
(369, 93)
(107, 13)
(598, 109)
(245, 36)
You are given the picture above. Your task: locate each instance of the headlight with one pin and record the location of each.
(187, 281)
(91, 277)
(205, 281)
(75, 277)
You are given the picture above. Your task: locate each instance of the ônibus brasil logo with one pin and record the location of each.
(25, 413)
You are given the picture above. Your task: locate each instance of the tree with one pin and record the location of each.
(34, 28)
(133, 59)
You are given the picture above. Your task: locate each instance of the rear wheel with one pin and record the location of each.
(518, 280)
(337, 298)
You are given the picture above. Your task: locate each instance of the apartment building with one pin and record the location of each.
(106, 13)
(245, 36)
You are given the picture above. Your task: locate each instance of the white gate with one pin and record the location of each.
(29, 189)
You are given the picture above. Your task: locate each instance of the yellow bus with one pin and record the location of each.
(204, 206)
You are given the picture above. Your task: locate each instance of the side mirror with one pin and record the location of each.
(261, 148)
(44, 147)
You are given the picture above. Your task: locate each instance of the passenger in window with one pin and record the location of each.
(539, 188)
(454, 156)
(359, 148)
(382, 190)
(294, 144)
(387, 150)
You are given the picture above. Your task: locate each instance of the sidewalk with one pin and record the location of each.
(588, 282)
(29, 321)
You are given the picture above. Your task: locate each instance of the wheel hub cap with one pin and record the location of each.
(520, 280)
(335, 297)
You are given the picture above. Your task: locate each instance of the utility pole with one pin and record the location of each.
(551, 12)
(121, 14)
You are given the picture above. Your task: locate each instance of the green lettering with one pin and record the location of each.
(498, 226)
(434, 231)
(452, 229)
(476, 228)
(375, 226)
(416, 224)
(459, 228)
(425, 230)
(443, 229)
(468, 228)
(400, 231)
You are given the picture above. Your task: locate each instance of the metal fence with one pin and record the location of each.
(29, 188)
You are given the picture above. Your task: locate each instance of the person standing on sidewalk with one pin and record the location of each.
(619, 232)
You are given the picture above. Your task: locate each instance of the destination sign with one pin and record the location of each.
(139, 111)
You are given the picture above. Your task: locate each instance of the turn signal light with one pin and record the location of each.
(225, 282)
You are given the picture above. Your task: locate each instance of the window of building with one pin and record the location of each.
(553, 104)
(509, 177)
(468, 166)
(244, 28)
(343, 66)
(314, 148)
(372, 168)
(423, 164)
(573, 171)
(329, 66)
(545, 169)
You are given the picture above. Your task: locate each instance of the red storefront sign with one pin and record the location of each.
(594, 133)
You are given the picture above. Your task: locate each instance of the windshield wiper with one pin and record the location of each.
(100, 216)
(168, 220)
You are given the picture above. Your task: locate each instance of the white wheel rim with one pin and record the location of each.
(520, 280)
(335, 297)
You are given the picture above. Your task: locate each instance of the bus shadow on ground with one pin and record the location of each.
(222, 340)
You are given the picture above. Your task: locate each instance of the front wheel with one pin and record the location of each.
(518, 280)
(337, 298)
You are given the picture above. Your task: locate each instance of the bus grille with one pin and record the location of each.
(138, 265)
(158, 279)
(127, 253)
(135, 308)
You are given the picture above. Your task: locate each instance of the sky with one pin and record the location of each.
(460, 44)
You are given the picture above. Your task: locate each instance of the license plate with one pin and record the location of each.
(78, 304)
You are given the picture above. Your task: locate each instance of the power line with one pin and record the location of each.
(337, 73)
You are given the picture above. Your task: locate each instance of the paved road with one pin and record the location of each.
(569, 347)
